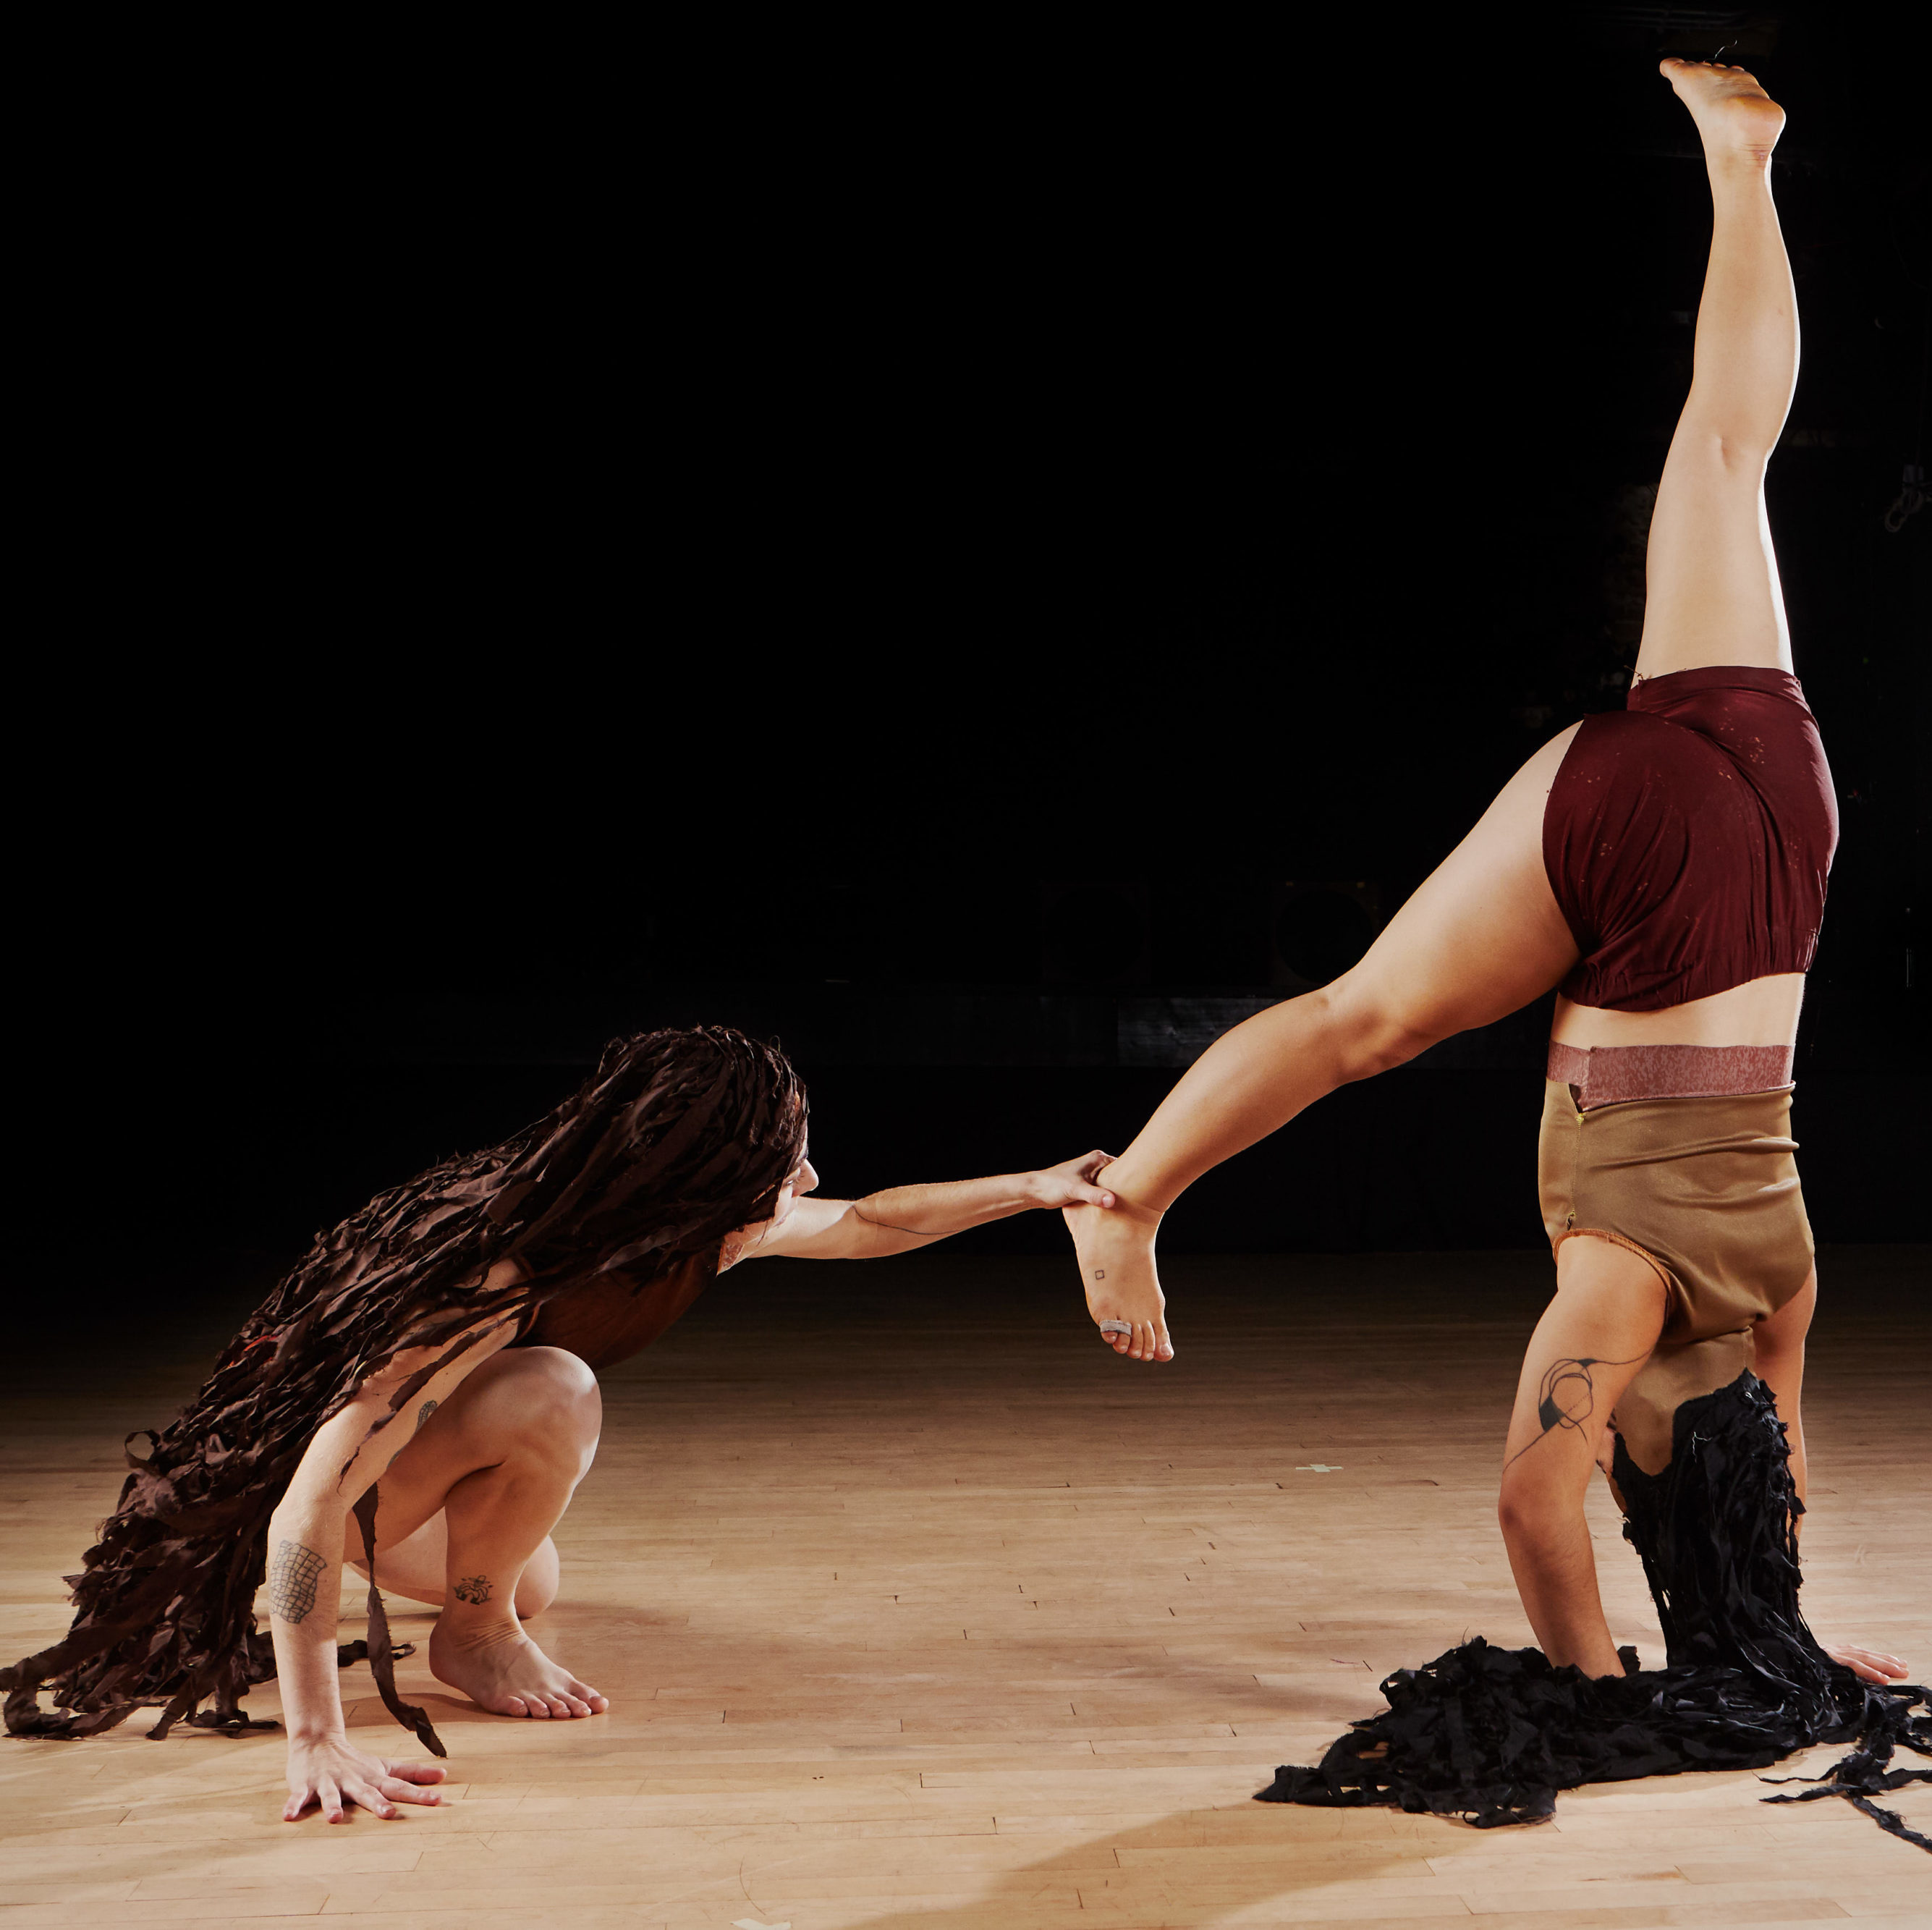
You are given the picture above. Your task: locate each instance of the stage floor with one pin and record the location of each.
(916, 1606)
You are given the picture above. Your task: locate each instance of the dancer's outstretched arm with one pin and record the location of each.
(905, 1218)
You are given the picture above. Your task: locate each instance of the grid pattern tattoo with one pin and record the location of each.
(292, 1580)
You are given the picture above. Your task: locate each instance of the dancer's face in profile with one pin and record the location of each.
(804, 1179)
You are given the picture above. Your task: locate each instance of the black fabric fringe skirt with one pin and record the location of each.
(1490, 1735)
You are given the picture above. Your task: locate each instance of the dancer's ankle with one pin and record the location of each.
(1130, 1189)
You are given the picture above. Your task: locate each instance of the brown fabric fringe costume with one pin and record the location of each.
(678, 1139)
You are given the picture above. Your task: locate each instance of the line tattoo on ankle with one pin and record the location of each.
(1566, 1397)
(473, 1588)
(292, 1580)
(428, 1408)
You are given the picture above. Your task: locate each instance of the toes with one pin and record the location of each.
(574, 1705)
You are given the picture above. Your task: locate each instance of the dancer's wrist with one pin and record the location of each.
(316, 1734)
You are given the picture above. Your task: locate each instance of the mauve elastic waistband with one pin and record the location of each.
(1604, 1075)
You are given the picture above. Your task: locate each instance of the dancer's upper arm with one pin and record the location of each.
(1779, 1340)
(817, 1229)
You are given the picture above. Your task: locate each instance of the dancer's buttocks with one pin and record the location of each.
(1686, 839)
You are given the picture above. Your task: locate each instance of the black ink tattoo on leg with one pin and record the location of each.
(473, 1588)
(292, 1580)
(1567, 1396)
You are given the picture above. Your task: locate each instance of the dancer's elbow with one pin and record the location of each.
(1531, 1509)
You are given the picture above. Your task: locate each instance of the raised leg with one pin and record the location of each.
(1713, 588)
(1482, 938)
(498, 1462)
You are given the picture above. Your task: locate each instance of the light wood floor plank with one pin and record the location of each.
(910, 1620)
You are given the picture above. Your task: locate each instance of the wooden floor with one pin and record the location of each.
(916, 1606)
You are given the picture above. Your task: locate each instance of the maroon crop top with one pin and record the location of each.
(1687, 838)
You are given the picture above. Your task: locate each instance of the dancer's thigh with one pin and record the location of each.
(485, 1417)
(1483, 936)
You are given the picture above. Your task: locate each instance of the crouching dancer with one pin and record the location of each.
(423, 1380)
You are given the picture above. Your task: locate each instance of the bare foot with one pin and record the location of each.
(1115, 1249)
(500, 1669)
(1734, 114)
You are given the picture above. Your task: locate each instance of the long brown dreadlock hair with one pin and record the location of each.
(677, 1138)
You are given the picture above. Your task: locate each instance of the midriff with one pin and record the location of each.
(1762, 1013)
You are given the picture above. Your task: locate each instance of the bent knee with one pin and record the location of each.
(546, 1391)
(1374, 1031)
(557, 1368)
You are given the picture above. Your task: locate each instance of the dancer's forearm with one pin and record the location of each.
(919, 1214)
(305, 1537)
(1556, 1571)
(903, 1218)
(306, 1534)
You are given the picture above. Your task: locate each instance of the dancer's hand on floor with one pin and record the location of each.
(1071, 1183)
(1867, 1665)
(340, 1777)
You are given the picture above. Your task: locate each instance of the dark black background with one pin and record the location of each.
(557, 539)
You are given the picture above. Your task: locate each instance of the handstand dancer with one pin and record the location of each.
(441, 1342)
(1665, 868)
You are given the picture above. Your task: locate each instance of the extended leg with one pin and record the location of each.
(499, 1462)
(1713, 589)
(1482, 938)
